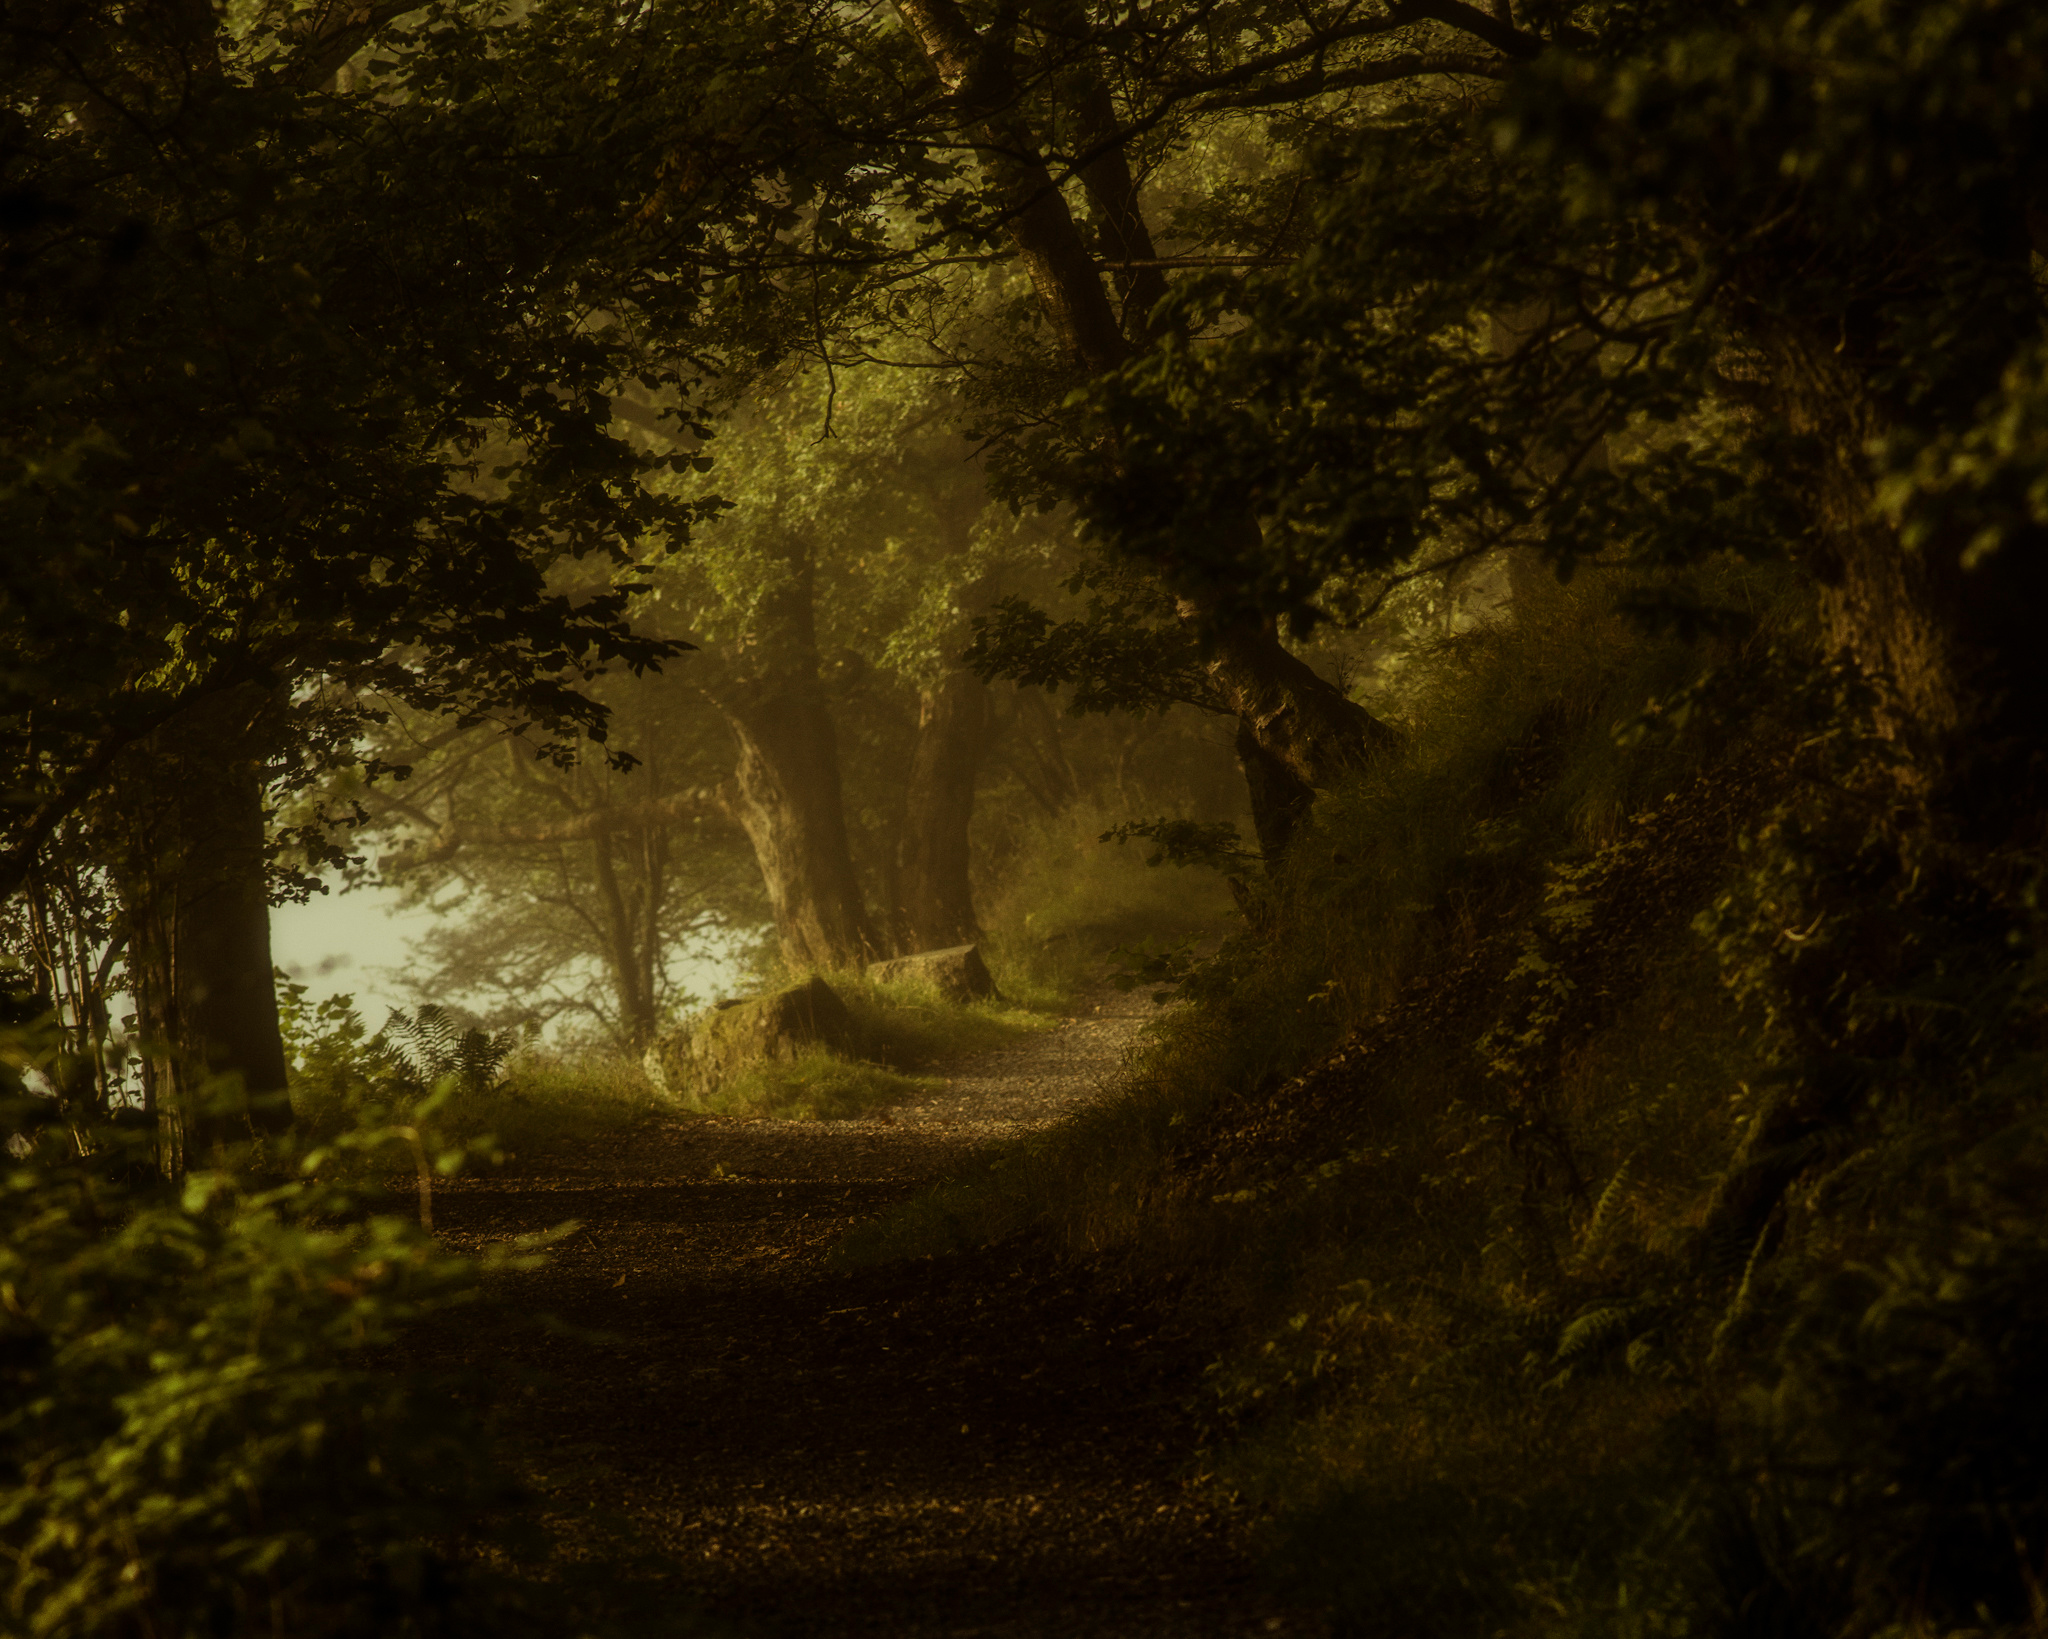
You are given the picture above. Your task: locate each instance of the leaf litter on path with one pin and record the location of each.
(990, 1444)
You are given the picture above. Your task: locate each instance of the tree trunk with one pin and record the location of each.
(195, 898)
(952, 735)
(632, 926)
(1052, 782)
(1302, 725)
(786, 791)
(1954, 651)
(787, 798)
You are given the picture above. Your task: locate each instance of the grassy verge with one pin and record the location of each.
(816, 1085)
(545, 1098)
(1398, 879)
(901, 1033)
(460, 1089)
(1066, 904)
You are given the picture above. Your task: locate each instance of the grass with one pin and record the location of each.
(1065, 905)
(816, 1085)
(544, 1098)
(900, 1032)
(1068, 900)
(538, 1101)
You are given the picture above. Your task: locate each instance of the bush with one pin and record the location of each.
(1068, 899)
(203, 1429)
(489, 1094)
(1899, 1438)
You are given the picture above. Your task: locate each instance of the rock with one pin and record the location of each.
(709, 1047)
(957, 973)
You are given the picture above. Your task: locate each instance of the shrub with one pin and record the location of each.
(1068, 899)
(489, 1094)
(202, 1428)
(1898, 1439)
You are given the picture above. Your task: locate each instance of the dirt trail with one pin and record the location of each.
(982, 1445)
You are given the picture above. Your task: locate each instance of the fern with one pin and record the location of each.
(1743, 1301)
(429, 1048)
(1599, 1332)
(1612, 1199)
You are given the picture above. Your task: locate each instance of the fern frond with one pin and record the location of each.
(1599, 1332)
(428, 1048)
(1612, 1199)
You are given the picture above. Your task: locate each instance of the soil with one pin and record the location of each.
(995, 1443)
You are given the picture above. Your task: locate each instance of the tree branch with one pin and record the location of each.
(20, 857)
(449, 840)
(330, 46)
(1408, 66)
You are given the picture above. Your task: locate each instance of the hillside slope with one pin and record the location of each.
(1608, 1145)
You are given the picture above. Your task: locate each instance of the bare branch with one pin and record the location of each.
(451, 839)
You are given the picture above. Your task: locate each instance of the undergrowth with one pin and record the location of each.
(496, 1095)
(201, 1426)
(901, 1031)
(1609, 1140)
(1068, 900)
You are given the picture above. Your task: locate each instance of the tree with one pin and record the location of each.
(831, 599)
(1298, 733)
(257, 332)
(1801, 311)
(951, 145)
(565, 892)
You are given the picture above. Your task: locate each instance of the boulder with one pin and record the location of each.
(956, 973)
(708, 1047)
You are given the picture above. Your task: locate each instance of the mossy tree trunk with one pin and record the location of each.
(195, 897)
(952, 736)
(1948, 634)
(1955, 649)
(786, 792)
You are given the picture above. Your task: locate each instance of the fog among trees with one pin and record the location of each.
(1489, 551)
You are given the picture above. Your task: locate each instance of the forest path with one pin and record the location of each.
(985, 1445)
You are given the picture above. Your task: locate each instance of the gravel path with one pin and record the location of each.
(989, 1444)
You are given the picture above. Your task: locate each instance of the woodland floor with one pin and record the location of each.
(991, 1444)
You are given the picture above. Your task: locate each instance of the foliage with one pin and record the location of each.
(492, 1096)
(1217, 845)
(256, 361)
(1572, 316)
(433, 1049)
(205, 1428)
(1068, 899)
(1121, 654)
(816, 1085)
(1895, 1434)
(1586, 1270)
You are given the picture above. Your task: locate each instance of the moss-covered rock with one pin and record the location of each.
(956, 973)
(710, 1047)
